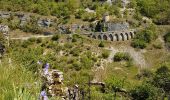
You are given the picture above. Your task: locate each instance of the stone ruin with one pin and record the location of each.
(53, 81)
(4, 29)
(53, 85)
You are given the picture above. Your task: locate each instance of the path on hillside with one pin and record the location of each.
(32, 36)
(137, 56)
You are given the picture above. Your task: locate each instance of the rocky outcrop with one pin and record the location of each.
(26, 17)
(4, 29)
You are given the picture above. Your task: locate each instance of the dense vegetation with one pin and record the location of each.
(79, 57)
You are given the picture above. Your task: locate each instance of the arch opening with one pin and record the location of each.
(111, 37)
(122, 36)
(131, 34)
(94, 37)
(104, 37)
(127, 36)
(117, 37)
(100, 37)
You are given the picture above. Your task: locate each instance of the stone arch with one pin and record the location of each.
(94, 37)
(116, 37)
(99, 37)
(131, 34)
(122, 36)
(111, 37)
(127, 36)
(104, 37)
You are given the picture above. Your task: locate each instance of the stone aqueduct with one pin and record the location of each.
(114, 36)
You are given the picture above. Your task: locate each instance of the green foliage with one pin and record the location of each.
(79, 13)
(75, 51)
(38, 40)
(155, 9)
(88, 17)
(144, 37)
(105, 54)
(77, 66)
(31, 27)
(138, 44)
(55, 37)
(119, 56)
(86, 62)
(144, 92)
(26, 43)
(2, 38)
(101, 44)
(167, 39)
(144, 73)
(114, 84)
(18, 83)
(161, 78)
(158, 45)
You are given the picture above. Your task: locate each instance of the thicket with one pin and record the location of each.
(167, 39)
(145, 37)
(120, 56)
(155, 9)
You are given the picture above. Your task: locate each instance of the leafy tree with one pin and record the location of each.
(161, 78)
(138, 44)
(144, 92)
(55, 37)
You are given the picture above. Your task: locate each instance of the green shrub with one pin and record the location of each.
(105, 54)
(32, 39)
(77, 66)
(86, 62)
(74, 39)
(144, 73)
(88, 17)
(119, 56)
(129, 63)
(144, 37)
(79, 14)
(136, 43)
(101, 44)
(167, 39)
(75, 52)
(157, 45)
(55, 37)
(144, 92)
(39, 40)
(161, 78)
(26, 43)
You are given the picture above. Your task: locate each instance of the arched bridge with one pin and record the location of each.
(114, 36)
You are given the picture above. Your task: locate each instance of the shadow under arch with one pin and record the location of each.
(104, 37)
(111, 37)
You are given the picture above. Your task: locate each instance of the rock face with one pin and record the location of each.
(53, 85)
(53, 81)
(72, 28)
(26, 17)
(44, 22)
(4, 28)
